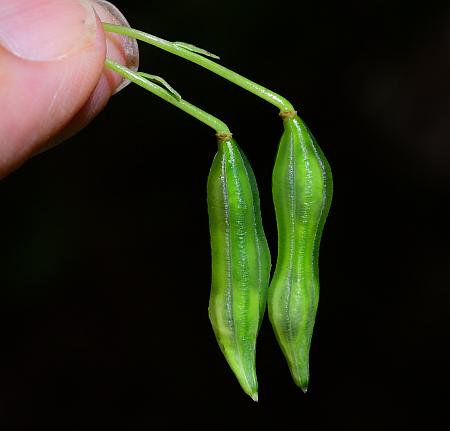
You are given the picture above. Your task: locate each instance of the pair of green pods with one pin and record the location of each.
(241, 262)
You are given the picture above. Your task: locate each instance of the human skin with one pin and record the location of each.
(52, 76)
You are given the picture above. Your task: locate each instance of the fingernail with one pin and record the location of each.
(46, 30)
(120, 48)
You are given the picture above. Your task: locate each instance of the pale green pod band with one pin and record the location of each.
(263, 252)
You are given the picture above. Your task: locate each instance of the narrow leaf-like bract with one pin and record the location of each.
(162, 83)
(302, 192)
(196, 49)
(240, 261)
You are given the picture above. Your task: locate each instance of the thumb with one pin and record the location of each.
(52, 79)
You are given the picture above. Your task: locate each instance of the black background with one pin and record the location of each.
(105, 259)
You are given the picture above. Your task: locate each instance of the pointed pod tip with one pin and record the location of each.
(301, 379)
(254, 397)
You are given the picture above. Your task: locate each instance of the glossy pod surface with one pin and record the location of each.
(302, 191)
(240, 261)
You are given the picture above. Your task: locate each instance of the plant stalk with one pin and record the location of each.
(208, 119)
(260, 91)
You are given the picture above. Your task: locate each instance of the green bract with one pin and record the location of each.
(240, 261)
(302, 193)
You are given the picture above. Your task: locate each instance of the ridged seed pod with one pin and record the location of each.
(240, 261)
(302, 192)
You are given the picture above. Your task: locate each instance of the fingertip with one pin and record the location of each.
(108, 83)
(42, 98)
(49, 101)
(120, 48)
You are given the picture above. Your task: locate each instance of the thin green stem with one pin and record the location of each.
(222, 71)
(199, 114)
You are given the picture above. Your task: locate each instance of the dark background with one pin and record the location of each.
(105, 259)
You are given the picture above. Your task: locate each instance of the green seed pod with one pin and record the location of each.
(240, 261)
(302, 191)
